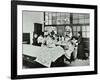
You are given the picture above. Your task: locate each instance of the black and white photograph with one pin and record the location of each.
(53, 39)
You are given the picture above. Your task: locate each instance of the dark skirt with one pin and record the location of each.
(80, 52)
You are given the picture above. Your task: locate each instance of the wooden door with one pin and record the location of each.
(38, 28)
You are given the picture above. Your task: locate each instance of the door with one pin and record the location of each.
(38, 28)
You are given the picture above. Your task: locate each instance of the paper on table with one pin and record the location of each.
(44, 55)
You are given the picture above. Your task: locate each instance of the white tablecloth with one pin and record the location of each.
(44, 55)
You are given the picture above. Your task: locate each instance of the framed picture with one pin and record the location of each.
(53, 39)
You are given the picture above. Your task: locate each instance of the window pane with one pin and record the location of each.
(81, 16)
(58, 21)
(88, 34)
(83, 28)
(53, 21)
(87, 28)
(50, 15)
(75, 21)
(78, 28)
(67, 22)
(62, 21)
(81, 21)
(58, 18)
(75, 16)
(74, 28)
(84, 34)
(54, 14)
(54, 18)
(87, 16)
(50, 22)
(87, 20)
(67, 14)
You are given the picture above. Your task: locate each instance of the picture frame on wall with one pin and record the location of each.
(53, 39)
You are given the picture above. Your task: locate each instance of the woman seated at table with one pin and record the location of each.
(35, 37)
(40, 40)
(50, 41)
(69, 48)
(75, 44)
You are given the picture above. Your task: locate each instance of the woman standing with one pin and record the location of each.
(68, 31)
(80, 53)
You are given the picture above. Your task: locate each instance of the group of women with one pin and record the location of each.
(70, 44)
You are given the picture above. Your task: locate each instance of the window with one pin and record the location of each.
(78, 22)
(82, 24)
(85, 31)
(56, 18)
